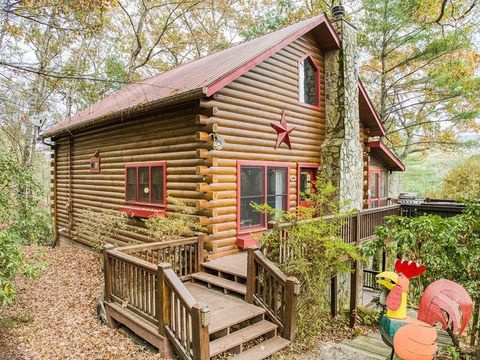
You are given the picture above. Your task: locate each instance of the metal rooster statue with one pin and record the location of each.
(443, 302)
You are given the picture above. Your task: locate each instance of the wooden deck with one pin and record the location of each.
(231, 264)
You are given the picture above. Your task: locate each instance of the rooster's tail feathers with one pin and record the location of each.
(448, 303)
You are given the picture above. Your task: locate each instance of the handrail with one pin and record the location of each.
(158, 245)
(269, 288)
(181, 318)
(185, 255)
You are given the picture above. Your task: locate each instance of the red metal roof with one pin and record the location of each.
(202, 77)
(381, 151)
(368, 114)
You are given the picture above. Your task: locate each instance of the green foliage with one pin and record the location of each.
(449, 247)
(463, 181)
(99, 227)
(22, 220)
(182, 223)
(316, 254)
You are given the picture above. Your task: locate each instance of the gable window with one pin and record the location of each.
(308, 82)
(260, 183)
(145, 183)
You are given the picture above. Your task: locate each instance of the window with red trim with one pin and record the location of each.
(95, 164)
(308, 82)
(145, 183)
(307, 176)
(260, 184)
(377, 188)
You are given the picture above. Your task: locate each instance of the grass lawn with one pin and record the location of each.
(424, 173)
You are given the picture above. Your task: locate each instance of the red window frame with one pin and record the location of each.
(265, 165)
(148, 204)
(93, 160)
(379, 184)
(314, 169)
(317, 82)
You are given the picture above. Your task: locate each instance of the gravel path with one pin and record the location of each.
(54, 315)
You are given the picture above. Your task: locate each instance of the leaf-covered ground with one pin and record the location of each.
(54, 316)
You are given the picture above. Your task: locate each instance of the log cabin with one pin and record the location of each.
(251, 123)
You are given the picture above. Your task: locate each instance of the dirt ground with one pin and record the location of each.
(54, 316)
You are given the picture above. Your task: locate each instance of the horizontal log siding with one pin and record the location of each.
(246, 108)
(169, 136)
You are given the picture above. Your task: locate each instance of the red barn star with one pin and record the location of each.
(283, 132)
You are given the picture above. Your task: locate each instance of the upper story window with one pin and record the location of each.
(261, 183)
(145, 183)
(308, 82)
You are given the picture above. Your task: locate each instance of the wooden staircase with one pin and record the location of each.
(211, 310)
(237, 329)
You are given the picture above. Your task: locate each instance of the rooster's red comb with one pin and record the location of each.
(409, 269)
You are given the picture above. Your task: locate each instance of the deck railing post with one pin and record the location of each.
(199, 258)
(334, 296)
(200, 336)
(292, 290)
(162, 298)
(354, 277)
(251, 274)
(107, 272)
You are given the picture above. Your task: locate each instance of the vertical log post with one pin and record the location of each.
(355, 278)
(162, 298)
(290, 321)
(107, 273)
(334, 296)
(200, 337)
(251, 274)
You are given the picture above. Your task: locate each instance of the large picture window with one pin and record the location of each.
(308, 82)
(260, 183)
(145, 183)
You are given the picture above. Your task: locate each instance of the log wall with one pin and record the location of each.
(246, 107)
(196, 172)
(172, 135)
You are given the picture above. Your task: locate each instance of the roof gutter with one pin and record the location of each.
(159, 104)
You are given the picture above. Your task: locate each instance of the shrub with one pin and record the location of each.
(182, 223)
(22, 220)
(317, 254)
(463, 181)
(99, 227)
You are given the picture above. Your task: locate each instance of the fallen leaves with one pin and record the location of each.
(54, 316)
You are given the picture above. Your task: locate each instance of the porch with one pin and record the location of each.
(239, 305)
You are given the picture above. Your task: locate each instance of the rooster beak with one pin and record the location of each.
(388, 279)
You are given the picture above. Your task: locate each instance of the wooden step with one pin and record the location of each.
(235, 265)
(264, 349)
(241, 336)
(225, 310)
(220, 282)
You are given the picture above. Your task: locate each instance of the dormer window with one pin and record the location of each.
(308, 82)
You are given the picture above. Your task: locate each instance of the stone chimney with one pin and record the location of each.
(341, 152)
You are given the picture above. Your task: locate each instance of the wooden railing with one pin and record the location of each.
(132, 283)
(155, 292)
(269, 288)
(370, 219)
(182, 317)
(369, 280)
(185, 255)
